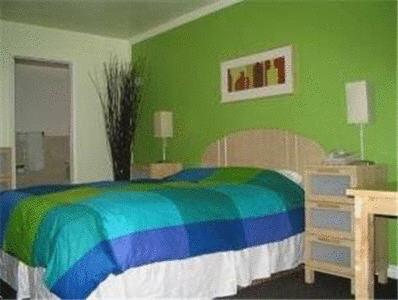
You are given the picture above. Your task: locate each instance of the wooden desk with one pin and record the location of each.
(368, 204)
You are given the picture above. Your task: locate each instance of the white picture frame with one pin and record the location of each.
(277, 65)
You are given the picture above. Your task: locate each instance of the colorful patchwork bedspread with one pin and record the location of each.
(81, 234)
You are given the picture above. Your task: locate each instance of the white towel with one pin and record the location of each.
(34, 151)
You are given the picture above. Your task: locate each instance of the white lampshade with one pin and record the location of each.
(163, 124)
(357, 102)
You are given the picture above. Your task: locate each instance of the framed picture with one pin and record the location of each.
(259, 75)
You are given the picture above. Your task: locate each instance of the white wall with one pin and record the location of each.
(42, 98)
(86, 53)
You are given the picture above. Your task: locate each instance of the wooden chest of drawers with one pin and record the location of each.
(156, 170)
(330, 236)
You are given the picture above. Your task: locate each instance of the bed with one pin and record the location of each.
(200, 233)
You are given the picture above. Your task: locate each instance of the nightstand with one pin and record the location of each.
(5, 169)
(161, 170)
(155, 170)
(330, 236)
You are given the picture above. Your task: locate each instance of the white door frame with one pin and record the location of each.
(72, 119)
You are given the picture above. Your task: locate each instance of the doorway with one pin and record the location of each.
(43, 94)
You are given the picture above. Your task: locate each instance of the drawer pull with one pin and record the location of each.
(328, 205)
(327, 170)
(328, 239)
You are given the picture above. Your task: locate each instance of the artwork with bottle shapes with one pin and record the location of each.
(259, 75)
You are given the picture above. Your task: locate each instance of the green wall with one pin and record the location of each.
(334, 42)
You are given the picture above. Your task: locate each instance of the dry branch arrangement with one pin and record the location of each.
(120, 94)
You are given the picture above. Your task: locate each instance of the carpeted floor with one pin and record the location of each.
(290, 285)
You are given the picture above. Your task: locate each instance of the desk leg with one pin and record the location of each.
(364, 252)
(381, 248)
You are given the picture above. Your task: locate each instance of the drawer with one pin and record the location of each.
(137, 173)
(5, 163)
(4, 185)
(330, 219)
(329, 185)
(330, 254)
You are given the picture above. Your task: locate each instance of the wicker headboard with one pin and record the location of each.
(264, 148)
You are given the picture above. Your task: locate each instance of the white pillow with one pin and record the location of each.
(292, 175)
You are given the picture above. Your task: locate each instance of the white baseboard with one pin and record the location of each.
(393, 271)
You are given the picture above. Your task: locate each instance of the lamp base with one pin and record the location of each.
(164, 146)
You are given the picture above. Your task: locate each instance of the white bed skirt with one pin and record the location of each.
(205, 276)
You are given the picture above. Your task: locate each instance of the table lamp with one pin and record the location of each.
(163, 128)
(357, 95)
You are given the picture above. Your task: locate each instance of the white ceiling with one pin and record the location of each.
(127, 19)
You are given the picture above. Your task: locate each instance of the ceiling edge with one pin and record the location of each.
(186, 18)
